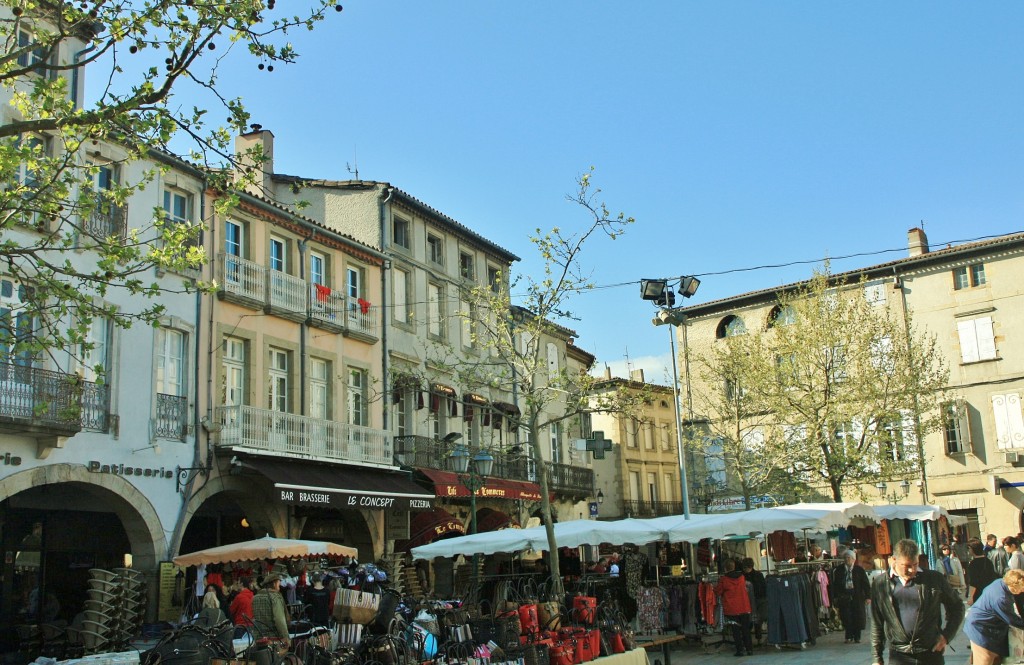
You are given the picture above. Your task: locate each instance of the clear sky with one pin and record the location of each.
(737, 133)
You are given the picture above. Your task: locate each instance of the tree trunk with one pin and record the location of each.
(545, 509)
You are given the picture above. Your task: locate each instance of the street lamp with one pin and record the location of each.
(895, 496)
(660, 293)
(473, 472)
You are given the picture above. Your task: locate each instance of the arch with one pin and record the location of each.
(730, 326)
(266, 517)
(140, 520)
(781, 316)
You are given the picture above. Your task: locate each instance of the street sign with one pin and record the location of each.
(593, 508)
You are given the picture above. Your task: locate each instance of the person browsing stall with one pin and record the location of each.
(989, 619)
(850, 588)
(270, 619)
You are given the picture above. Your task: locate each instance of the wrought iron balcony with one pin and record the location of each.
(572, 480)
(171, 417)
(105, 220)
(33, 399)
(429, 453)
(651, 508)
(96, 407)
(251, 428)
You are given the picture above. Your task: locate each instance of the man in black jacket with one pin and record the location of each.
(906, 606)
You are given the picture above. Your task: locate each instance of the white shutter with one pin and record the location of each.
(963, 426)
(986, 338)
(552, 361)
(968, 341)
(401, 298)
(1009, 421)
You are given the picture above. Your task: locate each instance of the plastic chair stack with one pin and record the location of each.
(133, 602)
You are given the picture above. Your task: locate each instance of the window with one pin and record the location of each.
(435, 249)
(968, 276)
(874, 294)
(648, 435)
(669, 483)
(956, 427)
(835, 362)
(277, 386)
(317, 268)
(782, 316)
(357, 408)
(178, 206)
(435, 311)
(1009, 421)
(494, 279)
(467, 312)
(403, 413)
(318, 389)
(232, 249)
(652, 487)
(977, 339)
(29, 173)
(96, 351)
(400, 232)
(170, 362)
(467, 269)
(354, 288)
(402, 291)
(16, 325)
(882, 357)
(553, 371)
(731, 326)
(35, 59)
(277, 255)
(632, 428)
(845, 437)
(890, 440)
(555, 432)
(232, 391)
(634, 486)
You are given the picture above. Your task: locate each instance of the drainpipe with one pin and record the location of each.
(385, 267)
(917, 409)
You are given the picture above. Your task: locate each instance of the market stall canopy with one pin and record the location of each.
(795, 518)
(917, 512)
(264, 548)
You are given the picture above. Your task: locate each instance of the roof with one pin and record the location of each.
(889, 268)
(617, 381)
(407, 199)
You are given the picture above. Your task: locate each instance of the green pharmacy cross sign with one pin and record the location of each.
(597, 444)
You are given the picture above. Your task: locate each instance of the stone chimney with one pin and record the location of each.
(636, 375)
(607, 372)
(263, 139)
(917, 241)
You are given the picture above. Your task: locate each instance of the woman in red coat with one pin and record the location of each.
(241, 607)
(732, 589)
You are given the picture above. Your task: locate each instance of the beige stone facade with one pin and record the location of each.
(970, 297)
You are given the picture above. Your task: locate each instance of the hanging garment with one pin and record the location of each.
(897, 530)
(782, 545)
(883, 545)
(691, 609)
(708, 602)
(636, 565)
(786, 623)
(648, 610)
(823, 587)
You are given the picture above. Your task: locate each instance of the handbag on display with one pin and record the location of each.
(353, 606)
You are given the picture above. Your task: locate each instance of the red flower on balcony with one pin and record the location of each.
(364, 306)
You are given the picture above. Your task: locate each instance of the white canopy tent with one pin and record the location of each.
(917, 512)
(816, 517)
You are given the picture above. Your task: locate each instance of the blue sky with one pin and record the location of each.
(737, 133)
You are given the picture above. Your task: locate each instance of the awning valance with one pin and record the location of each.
(430, 525)
(448, 484)
(473, 398)
(506, 408)
(441, 389)
(340, 487)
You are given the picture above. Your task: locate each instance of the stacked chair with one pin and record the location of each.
(113, 612)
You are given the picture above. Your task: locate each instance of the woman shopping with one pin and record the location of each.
(989, 619)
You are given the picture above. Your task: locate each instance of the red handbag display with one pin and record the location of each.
(529, 621)
(585, 609)
(562, 653)
(618, 646)
(595, 641)
(584, 652)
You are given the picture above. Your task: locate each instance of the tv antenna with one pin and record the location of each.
(353, 168)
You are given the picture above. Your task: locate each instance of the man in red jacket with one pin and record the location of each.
(732, 589)
(241, 606)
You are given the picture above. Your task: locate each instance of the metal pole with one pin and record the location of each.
(679, 425)
(472, 481)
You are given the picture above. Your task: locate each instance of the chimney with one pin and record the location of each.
(636, 375)
(264, 140)
(917, 241)
(607, 372)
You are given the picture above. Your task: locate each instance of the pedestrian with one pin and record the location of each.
(318, 600)
(270, 618)
(613, 566)
(1015, 558)
(989, 620)
(980, 572)
(241, 607)
(850, 588)
(732, 589)
(991, 543)
(760, 599)
(961, 550)
(906, 611)
(953, 569)
(997, 555)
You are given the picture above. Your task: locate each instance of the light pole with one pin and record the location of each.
(659, 292)
(894, 496)
(472, 472)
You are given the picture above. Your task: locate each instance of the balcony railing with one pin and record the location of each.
(252, 284)
(39, 397)
(302, 436)
(95, 407)
(568, 479)
(651, 508)
(106, 219)
(171, 417)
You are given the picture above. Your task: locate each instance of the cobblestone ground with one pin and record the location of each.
(829, 650)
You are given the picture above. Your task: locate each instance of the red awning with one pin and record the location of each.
(430, 525)
(447, 484)
(489, 519)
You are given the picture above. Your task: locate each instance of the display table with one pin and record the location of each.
(637, 656)
(664, 641)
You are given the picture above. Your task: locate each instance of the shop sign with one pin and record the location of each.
(486, 492)
(396, 525)
(729, 503)
(129, 470)
(10, 460)
(342, 500)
